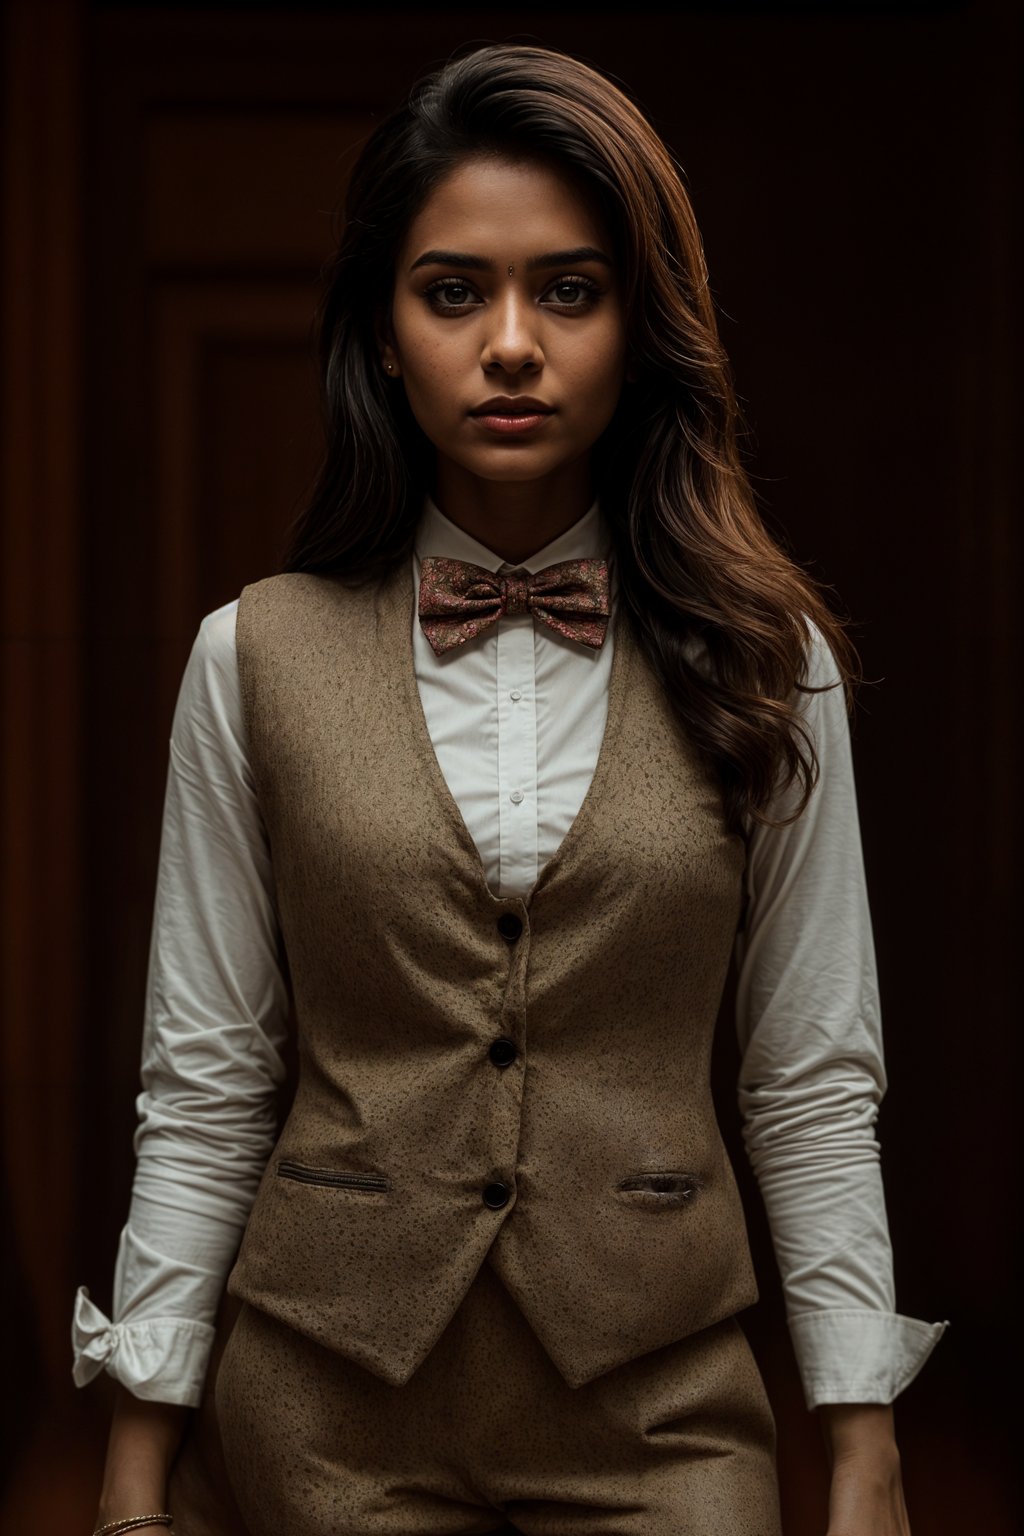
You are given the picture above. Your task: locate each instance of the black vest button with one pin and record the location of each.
(502, 1051)
(496, 1195)
(510, 926)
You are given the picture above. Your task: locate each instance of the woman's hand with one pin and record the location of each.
(144, 1439)
(866, 1495)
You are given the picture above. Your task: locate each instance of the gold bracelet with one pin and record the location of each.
(131, 1523)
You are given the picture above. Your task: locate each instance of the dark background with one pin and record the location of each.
(167, 184)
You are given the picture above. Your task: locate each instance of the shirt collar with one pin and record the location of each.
(589, 537)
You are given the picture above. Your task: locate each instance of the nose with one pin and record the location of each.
(512, 344)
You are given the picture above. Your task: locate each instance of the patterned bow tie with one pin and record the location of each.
(458, 599)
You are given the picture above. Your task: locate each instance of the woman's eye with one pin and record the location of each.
(450, 295)
(574, 292)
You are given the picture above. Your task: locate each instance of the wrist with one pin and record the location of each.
(133, 1523)
(859, 1431)
(144, 1439)
(131, 1501)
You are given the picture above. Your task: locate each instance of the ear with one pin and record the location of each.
(386, 347)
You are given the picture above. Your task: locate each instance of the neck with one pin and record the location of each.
(514, 518)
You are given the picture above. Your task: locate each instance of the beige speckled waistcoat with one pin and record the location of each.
(580, 1155)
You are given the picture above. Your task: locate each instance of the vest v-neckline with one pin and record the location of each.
(399, 607)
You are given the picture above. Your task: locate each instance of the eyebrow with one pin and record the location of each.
(573, 257)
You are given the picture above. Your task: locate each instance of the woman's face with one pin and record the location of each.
(507, 324)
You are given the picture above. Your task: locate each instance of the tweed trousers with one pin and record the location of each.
(486, 1436)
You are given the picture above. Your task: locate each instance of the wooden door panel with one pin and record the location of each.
(236, 440)
(244, 188)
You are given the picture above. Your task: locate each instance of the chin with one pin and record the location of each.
(515, 461)
(515, 474)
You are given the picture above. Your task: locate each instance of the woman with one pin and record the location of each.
(536, 729)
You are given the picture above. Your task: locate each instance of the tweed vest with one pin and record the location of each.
(518, 1080)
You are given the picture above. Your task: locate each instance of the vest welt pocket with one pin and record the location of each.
(331, 1178)
(660, 1189)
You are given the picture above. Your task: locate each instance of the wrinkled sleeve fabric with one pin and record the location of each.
(214, 1026)
(812, 1076)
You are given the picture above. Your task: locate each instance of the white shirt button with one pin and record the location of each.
(515, 694)
(516, 796)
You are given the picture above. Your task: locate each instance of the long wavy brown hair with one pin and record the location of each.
(693, 555)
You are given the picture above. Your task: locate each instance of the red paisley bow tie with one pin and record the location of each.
(458, 599)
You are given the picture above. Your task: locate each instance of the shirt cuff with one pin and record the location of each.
(849, 1355)
(143, 1356)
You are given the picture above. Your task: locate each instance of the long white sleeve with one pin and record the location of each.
(813, 1076)
(216, 1013)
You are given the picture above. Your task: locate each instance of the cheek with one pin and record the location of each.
(599, 352)
(430, 388)
(598, 368)
(429, 366)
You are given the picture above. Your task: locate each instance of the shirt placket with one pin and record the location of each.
(517, 750)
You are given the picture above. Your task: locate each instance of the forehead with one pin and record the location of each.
(508, 210)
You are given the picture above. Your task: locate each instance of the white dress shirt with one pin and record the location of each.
(516, 717)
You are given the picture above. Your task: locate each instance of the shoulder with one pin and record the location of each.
(216, 638)
(300, 607)
(286, 585)
(822, 670)
(823, 709)
(208, 698)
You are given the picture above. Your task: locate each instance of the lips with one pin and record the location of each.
(512, 406)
